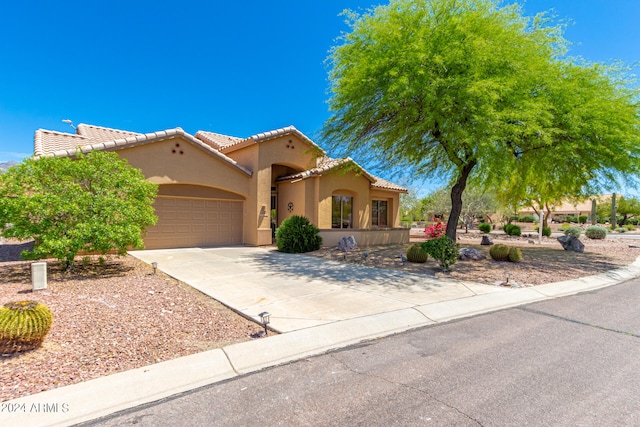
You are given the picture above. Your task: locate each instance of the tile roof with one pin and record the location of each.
(103, 134)
(44, 143)
(232, 143)
(383, 184)
(47, 141)
(217, 140)
(326, 164)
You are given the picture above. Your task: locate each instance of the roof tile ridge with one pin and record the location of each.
(105, 128)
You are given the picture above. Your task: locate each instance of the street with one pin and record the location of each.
(563, 362)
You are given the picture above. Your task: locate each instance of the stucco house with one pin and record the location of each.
(221, 190)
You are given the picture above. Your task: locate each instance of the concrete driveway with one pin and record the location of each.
(302, 291)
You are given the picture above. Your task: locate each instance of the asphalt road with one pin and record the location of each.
(573, 361)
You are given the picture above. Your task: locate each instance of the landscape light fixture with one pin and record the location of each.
(69, 122)
(265, 319)
(155, 267)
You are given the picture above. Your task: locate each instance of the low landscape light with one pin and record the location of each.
(155, 267)
(265, 318)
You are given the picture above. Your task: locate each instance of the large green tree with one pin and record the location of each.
(95, 203)
(468, 90)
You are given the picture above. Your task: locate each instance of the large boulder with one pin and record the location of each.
(347, 243)
(571, 243)
(470, 254)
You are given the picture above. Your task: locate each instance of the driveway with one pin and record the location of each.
(302, 291)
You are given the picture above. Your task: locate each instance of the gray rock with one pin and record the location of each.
(347, 243)
(486, 240)
(467, 254)
(571, 243)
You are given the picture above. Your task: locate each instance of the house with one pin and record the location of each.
(221, 190)
(570, 207)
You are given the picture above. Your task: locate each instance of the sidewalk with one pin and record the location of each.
(317, 305)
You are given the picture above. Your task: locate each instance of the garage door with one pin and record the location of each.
(185, 223)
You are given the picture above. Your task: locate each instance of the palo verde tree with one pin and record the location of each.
(95, 203)
(466, 90)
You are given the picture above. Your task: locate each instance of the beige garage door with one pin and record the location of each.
(185, 223)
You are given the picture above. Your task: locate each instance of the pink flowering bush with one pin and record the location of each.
(435, 230)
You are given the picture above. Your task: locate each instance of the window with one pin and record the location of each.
(342, 212)
(379, 213)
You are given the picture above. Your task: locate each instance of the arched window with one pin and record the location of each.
(342, 212)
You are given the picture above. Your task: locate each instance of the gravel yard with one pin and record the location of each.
(121, 316)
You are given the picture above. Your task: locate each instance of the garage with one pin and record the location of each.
(195, 222)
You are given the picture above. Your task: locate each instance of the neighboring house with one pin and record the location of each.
(570, 208)
(221, 190)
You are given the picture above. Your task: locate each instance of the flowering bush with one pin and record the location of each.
(435, 230)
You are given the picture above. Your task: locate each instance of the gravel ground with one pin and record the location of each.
(542, 263)
(109, 319)
(121, 316)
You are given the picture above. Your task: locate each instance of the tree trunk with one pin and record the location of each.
(456, 200)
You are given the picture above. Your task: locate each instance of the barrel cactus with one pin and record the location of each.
(515, 255)
(415, 253)
(23, 325)
(499, 252)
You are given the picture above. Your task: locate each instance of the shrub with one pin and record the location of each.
(546, 231)
(633, 221)
(630, 227)
(572, 218)
(573, 231)
(507, 227)
(297, 235)
(484, 227)
(515, 255)
(442, 249)
(565, 226)
(499, 252)
(582, 219)
(621, 230)
(435, 230)
(595, 232)
(415, 253)
(528, 218)
(23, 325)
(514, 230)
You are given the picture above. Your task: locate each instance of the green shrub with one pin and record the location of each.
(23, 325)
(499, 252)
(442, 249)
(514, 230)
(633, 221)
(507, 227)
(582, 219)
(573, 231)
(415, 253)
(528, 218)
(515, 255)
(484, 227)
(297, 235)
(565, 226)
(595, 232)
(621, 230)
(572, 218)
(630, 227)
(546, 231)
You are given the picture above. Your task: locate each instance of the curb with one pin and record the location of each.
(102, 396)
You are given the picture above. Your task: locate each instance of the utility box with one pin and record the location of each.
(39, 275)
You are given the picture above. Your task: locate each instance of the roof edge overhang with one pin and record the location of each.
(143, 139)
(273, 134)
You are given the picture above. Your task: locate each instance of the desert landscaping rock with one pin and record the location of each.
(470, 254)
(486, 241)
(571, 243)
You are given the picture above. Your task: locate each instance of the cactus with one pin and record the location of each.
(499, 252)
(23, 325)
(415, 253)
(515, 255)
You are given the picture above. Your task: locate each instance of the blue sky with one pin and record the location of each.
(232, 68)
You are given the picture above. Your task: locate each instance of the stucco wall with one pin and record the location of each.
(350, 184)
(396, 236)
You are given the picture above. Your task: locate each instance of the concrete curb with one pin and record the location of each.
(106, 395)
